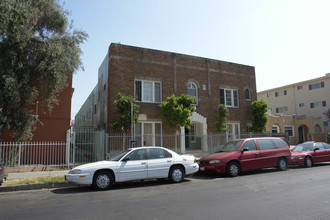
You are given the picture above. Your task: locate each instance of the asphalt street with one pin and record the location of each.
(298, 193)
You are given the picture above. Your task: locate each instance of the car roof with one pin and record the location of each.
(257, 138)
(313, 142)
(144, 147)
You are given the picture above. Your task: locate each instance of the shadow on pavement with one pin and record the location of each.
(117, 186)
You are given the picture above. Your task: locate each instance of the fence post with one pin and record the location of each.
(1, 152)
(19, 157)
(102, 145)
(73, 148)
(106, 136)
(211, 142)
(67, 150)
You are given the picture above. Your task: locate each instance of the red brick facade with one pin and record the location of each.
(52, 126)
(127, 64)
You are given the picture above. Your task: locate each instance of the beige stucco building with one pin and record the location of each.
(298, 128)
(301, 105)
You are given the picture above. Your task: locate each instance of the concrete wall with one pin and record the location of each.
(103, 91)
(87, 114)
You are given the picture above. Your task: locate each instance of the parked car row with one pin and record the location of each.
(258, 153)
(232, 158)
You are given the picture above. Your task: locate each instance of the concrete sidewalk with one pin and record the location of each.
(12, 176)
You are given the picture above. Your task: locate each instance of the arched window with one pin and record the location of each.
(192, 91)
(247, 94)
(275, 129)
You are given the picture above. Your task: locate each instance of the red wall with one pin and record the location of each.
(55, 123)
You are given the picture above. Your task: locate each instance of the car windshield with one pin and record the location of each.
(230, 146)
(303, 147)
(119, 156)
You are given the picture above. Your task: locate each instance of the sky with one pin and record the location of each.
(287, 41)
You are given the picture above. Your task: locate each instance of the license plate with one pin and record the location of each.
(202, 168)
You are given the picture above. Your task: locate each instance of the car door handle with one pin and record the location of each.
(169, 160)
(257, 153)
(143, 163)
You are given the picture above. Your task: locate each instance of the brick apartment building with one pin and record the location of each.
(51, 126)
(152, 75)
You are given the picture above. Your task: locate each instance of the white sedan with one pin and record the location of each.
(135, 164)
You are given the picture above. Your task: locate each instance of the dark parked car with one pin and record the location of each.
(247, 154)
(3, 175)
(309, 153)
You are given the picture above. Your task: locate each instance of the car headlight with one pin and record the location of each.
(214, 161)
(75, 171)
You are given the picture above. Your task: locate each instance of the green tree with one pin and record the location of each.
(177, 110)
(221, 120)
(39, 50)
(123, 103)
(259, 116)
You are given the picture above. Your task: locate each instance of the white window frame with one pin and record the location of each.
(320, 104)
(152, 91)
(153, 132)
(317, 85)
(196, 89)
(277, 128)
(247, 91)
(232, 132)
(281, 109)
(231, 98)
(280, 93)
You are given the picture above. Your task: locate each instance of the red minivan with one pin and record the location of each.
(247, 154)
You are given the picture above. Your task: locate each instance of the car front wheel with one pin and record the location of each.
(233, 169)
(176, 174)
(282, 164)
(102, 180)
(308, 162)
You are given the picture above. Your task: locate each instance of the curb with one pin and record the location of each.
(36, 186)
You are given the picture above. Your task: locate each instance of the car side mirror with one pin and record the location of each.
(126, 159)
(315, 149)
(245, 149)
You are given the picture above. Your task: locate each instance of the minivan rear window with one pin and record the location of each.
(267, 144)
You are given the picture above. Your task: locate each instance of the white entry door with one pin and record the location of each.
(233, 131)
